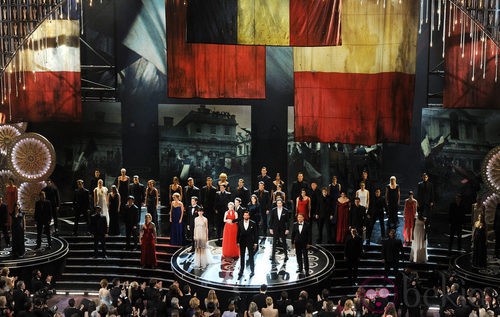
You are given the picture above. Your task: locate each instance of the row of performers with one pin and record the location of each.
(336, 217)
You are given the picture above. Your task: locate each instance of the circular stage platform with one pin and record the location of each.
(222, 274)
(49, 261)
(487, 276)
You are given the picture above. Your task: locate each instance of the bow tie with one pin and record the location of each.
(300, 223)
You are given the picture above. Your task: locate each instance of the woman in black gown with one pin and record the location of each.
(113, 209)
(18, 248)
(479, 244)
(392, 198)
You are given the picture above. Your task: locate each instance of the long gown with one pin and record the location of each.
(101, 194)
(392, 205)
(201, 259)
(148, 245)
(18, 247)
(176, 227)
(123, 187)
(114, 225)
(229, 245)
(342, 221)
(151, 204)
(302, 208)
(479, 251)
(418, 252)
(409, 212)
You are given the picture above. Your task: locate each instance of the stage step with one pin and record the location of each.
(83, 272)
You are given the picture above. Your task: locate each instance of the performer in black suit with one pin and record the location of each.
(52, 194)
(376, 212)
(242, 192)
(425, 197)
(278, 228)
(301, 240)
(81, 204)
(207, 200)
(247, 238)
(324, 215)
(189, 191)
(42, 217)
(191, 213)
(263, 177)
(357, 216)
(138, 190)
(457, 219)
(99, 228)
(265, 205)
(297, 187)
(131, 216)
(4, 221)
(392, 250)
(238, 206)
(352, 253)
(222, 198)
(97, 176)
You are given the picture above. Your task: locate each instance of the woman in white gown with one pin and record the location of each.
(202, 256)
(101, 199)
(418, 253)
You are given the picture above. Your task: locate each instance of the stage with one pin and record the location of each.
(45, 259)
(487, 276)
(222, 274)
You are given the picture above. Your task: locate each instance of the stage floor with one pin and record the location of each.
(487, 276)
(222, 274)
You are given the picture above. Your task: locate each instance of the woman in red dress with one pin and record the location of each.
(10, 199)
(229, 245)
(409, 212)
(148, 243)
(303, 205)
(342, 217)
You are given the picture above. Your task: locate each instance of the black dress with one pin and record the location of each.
(114, 225)
(18, 248)
(123, 190)
(479, 253)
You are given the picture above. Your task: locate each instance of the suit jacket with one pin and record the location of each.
(264, 199)
(247, 237)
(190, 192)
(268, 182)
(139, 192)
(392, 249)
(296, 189)
(353, 247)
(221, 201)
(457, 213)
(279, 225)
(98, 225)
(260, 300)
(325, 207)
(191, 214)
(357, 216)
(425, 193)
(207, 198)
(81, 199)
(132, 215)
(42, 211)
(301, 239)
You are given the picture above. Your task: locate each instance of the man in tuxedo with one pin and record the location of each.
(247, 238)
(191, 213)
(392, 250)
(52, 194)
(457, 219)
(207, 200)
(301, 240)
(278, 228)
(42, 217)
(81, 204)
(222, 198)
(265, 204)
(238, 206)
(189, 191)
(137, 190)
(242, 192)
(352, 254)
(132, 217)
